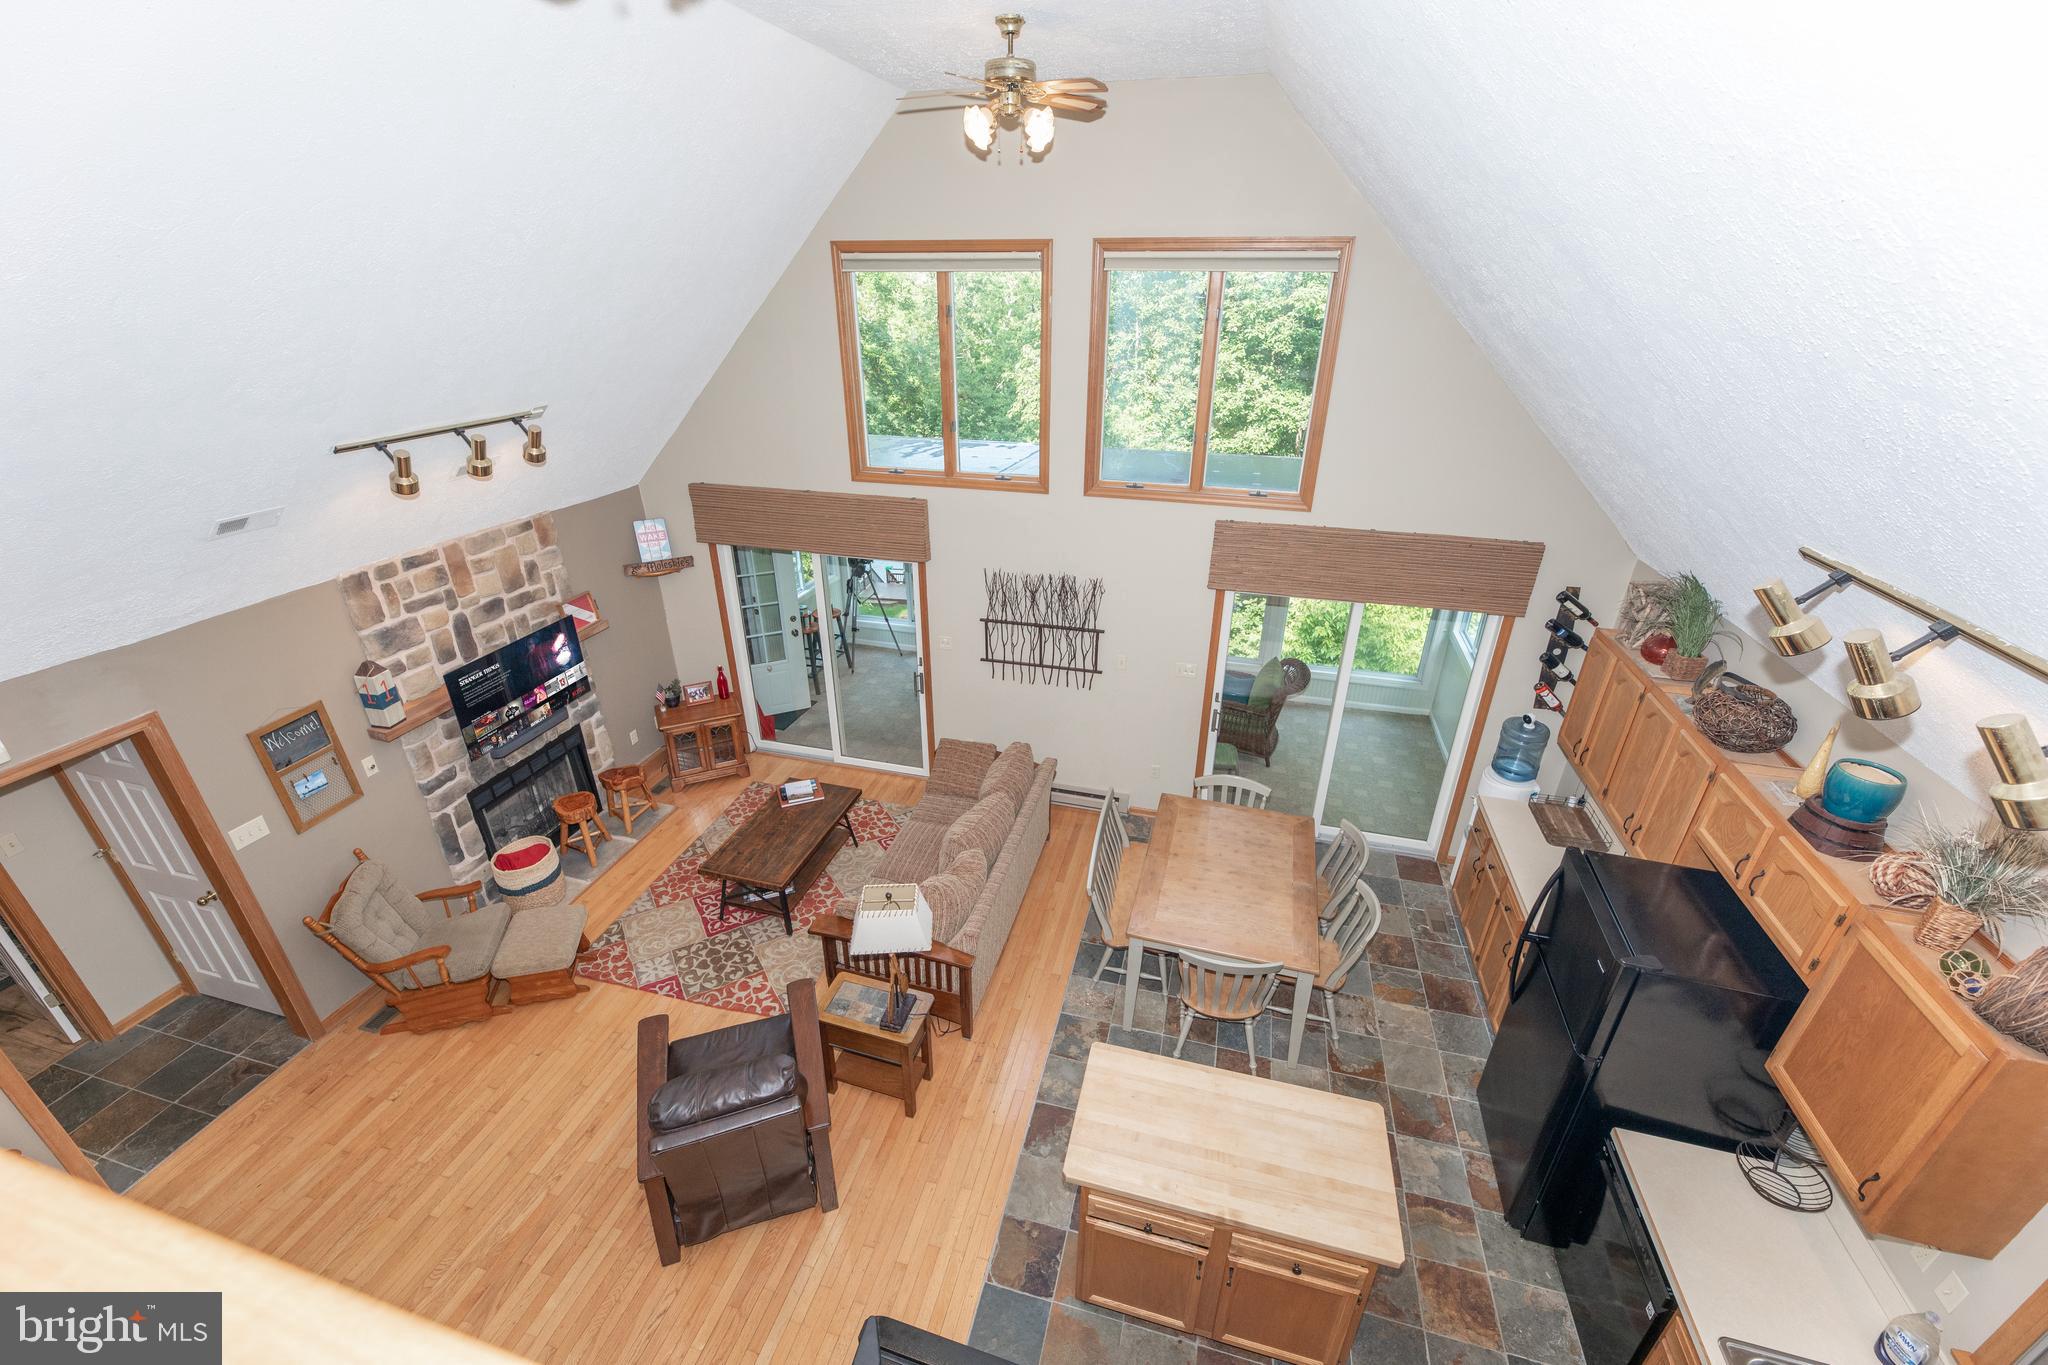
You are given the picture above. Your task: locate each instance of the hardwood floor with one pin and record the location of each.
(483, 1177)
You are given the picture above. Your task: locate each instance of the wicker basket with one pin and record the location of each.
(540, 883)
(1944, 926)
(2016, 1004)
(1904, 879)
(1683, 667)
(1744, 718)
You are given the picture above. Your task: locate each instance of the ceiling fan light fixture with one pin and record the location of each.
(1038, 130)
(979, 125)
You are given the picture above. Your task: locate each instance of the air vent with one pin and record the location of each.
(248, 521)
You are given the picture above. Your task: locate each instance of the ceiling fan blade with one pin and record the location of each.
(1085, 103)
(942, 94)
(1070, 85)
(971, 80)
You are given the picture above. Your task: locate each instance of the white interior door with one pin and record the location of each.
(768, 598)
(40, 997)
(132, 815)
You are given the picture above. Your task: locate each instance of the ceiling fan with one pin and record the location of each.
(1011, 93)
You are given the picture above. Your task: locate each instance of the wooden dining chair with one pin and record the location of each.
(1344, 942)
(1233, 791)
(1226, 990)
(1112, 917)
(1342, 863)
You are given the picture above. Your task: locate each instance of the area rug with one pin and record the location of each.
(672, 942)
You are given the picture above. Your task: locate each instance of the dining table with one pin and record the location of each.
(1235, 881)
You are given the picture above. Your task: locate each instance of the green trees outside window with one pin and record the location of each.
(1390, 639)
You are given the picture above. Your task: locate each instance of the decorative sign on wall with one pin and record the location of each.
(306, 766)
(1041, 627)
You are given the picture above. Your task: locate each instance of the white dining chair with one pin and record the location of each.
(1342, 863)
(1344, 943)
(1233, 791)
(1226, 990)
(1111, 918)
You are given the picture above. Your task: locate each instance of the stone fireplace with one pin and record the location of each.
(422, 614)
(519, 800)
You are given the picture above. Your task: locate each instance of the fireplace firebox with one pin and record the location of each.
(520, 800)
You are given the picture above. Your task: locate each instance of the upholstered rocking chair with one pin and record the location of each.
(434, 966)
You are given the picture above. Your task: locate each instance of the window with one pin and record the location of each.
(1211, 365)
(943, 348)
(1467, 630)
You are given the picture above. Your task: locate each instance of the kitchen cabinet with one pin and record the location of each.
(1674, 1345)
(1286, 1302)
(1798, 902)
(1143, 1261)
(1731, 825)
(1684, 771)
(1931, 1121)
(1491, 914)
(705, 740)
(1594, 675)
(1619, 702)
(1628, 783)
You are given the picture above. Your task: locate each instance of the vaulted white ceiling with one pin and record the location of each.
(233, 235)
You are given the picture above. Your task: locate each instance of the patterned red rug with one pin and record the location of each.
(671, 941)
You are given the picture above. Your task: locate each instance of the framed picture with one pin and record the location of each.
(696, 692)
(651, 536)
(306, 766)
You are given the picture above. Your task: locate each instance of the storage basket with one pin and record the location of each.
(539, 881)
(1683, 667)
(1944, 926)
(1744, 718)
(1904, 879)
(2016, 1004)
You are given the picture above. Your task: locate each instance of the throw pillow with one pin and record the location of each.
(951, 894)
(983, 829)
(1011, 774)
(1266, 686)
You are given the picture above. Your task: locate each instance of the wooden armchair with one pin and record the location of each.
(734, 1126)
(436, 972)
(947, 973)
(1253, 725)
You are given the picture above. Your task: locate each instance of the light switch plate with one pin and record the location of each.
(10, 846)
(369, 765)
(1951, 1292)
(632, 736)
(241, 836)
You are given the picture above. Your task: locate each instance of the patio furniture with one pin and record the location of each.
(1233, 791)
(1351, 929)
(1224, 759)
(1342, 863)
(1253, 724)
(1112, 914)
(435, 970)
(1226, 990)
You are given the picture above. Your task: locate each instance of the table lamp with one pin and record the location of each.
(892, 919)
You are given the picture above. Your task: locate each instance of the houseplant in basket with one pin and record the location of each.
(1983, 878)
(1693, 618)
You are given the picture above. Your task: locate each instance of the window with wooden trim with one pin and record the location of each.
(1209, 366)
(943, 350)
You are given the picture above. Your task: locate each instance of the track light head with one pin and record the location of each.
(478, 466)
(534, 452)
(1880, 691)
(404, 483)
(1793, 632)
(2021, 793)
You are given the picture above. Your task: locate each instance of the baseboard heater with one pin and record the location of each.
(1087, 797)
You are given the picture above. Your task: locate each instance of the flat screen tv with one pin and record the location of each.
(513, 695)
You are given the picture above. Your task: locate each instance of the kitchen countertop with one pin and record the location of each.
(1528, 857)
(1802, 1283)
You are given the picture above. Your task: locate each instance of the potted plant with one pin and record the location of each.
(1982, 879)
(1692, 616)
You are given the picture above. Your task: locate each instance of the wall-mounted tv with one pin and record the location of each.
(511, 696)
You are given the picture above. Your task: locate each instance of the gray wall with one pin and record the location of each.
(216, 680)
(76, 897)
(15, 1133)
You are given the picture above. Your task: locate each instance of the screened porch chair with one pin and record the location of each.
(1344, 943)
(1226, 990)
(1111, 916)
(1342, 863)
(1233, 791)
(1252, 725)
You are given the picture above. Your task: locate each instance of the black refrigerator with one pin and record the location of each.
(1643, 996)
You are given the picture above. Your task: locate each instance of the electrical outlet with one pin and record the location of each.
(370, 765)
(945, 642)
(632, 736)
(241, 836)
(1123, 661)
(1187, 670)
(10, 846)
(1924, 1256)
(1950, 1292)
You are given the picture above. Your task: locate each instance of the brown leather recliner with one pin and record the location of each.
(734, 1125)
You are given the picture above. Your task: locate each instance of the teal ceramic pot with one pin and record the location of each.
(1857, 789)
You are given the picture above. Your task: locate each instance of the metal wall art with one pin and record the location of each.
(1040, 627)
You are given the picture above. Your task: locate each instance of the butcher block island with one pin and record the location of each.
(1249, 1211)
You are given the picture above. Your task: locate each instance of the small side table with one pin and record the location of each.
(870, 1056)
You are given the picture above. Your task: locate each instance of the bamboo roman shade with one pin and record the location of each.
(1399, 568)
(866, 524)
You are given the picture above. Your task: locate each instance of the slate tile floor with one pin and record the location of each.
(1410, 1037)
(131, 1101)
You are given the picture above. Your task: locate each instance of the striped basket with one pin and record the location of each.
(540, 883)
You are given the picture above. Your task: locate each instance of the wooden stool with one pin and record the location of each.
(578, 813)
(621, 786)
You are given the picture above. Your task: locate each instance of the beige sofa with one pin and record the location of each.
(972, 866)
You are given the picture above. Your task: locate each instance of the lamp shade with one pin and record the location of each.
(1038, 129)
(1880, 691)
(891, 918)
(1792, 632)
(2021, 793)
(979, 125)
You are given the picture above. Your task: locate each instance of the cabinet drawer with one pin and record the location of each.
(1147, 1218)
(1282, 1258)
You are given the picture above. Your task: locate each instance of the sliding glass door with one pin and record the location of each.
(1348, 711)
(833, 656)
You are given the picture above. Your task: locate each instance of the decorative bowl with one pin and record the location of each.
(1858, 789)
(1656, 646)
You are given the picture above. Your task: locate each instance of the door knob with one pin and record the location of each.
(209, 898)
(102, 854)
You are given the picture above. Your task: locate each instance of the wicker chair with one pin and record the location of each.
(1253, 725)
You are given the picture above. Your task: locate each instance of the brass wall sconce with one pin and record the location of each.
(477, 464)
(1793, 632)
(1880, 691)
(2021, 793)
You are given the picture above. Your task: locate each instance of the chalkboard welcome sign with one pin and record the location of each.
(306, 766)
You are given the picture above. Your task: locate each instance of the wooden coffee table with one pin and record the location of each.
(780, 852)
(868, 1055)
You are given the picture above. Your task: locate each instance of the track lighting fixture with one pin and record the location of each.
(476, 465)
(2021, 793)
(1880, 691)
(1793, 632)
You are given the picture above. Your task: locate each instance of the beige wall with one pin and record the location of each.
(16, 1133)
(76, 897)
(220, 678)
(1422, 434)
